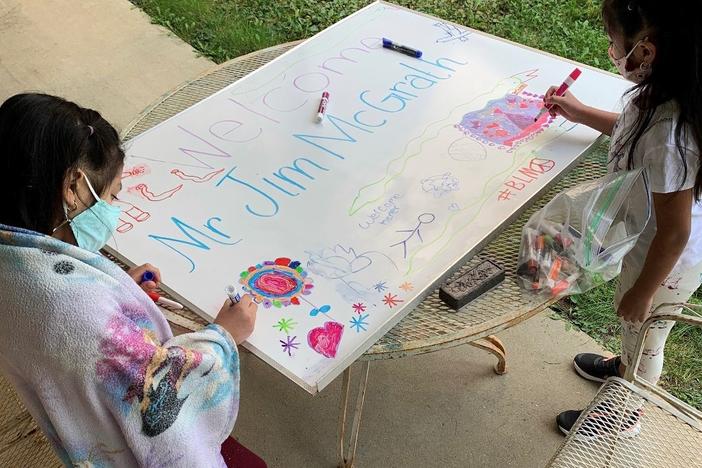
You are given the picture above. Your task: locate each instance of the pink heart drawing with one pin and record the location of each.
(325, 340)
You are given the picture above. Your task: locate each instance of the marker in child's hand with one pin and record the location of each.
(233, 295)
(148, 276)
(560, 91)
(388, 44)
(163, 301)
(322, 106)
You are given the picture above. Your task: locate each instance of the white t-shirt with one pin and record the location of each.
(658, 154)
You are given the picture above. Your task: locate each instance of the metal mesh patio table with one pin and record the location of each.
(432, 325)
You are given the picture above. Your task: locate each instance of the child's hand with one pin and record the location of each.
(567, 105)
(635, 306)
(137, 272)
(238, 319)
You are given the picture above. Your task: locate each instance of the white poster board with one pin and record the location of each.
(340, 228)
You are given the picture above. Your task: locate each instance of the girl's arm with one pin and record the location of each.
(175, 402)
(575, 111)
(673, 220)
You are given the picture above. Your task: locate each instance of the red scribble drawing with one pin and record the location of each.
(193, 178)
(133, 211)
(136, 171)
(124, 226)
(143, 190)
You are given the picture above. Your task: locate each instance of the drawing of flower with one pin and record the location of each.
(359, 323)
(276, 283)
(289, 345)
(359, 307)
(407, 286)
(380, 286)
(391, 300)
(285, 325)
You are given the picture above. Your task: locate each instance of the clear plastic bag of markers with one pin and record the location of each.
(579, 239)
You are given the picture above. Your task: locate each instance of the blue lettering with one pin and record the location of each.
(415, 78)
(438, 63)
(357, 119)
(193, 242)
(348, 138)
(274, 204)
(402, 102)
(296, 168)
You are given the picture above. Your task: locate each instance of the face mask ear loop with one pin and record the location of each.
(66, 219)
(90, 187)
(98, 199)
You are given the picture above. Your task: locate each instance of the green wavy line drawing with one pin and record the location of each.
(482, 199)
(390, 177)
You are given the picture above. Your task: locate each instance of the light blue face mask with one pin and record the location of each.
(93, 227)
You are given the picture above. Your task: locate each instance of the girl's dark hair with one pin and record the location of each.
(673, 27)
(42, 139)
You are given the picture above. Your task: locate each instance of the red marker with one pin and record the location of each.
(560, 91)
(163, 301)
(322, 106)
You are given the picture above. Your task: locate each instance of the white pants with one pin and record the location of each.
(678, 287)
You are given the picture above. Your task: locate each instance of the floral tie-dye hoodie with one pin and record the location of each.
(96, 363)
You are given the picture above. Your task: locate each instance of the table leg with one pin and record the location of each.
(347, 447)
(493, 345)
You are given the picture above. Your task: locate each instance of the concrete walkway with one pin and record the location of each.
(103, 54)
(444, 409)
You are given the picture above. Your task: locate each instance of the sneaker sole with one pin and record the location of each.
(585, 375)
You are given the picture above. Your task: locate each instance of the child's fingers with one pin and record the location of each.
(148, 285)
(550, 92)
(154, 270)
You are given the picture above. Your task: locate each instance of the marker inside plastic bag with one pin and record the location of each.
(388, 44)
(322, 106)
(233, 295)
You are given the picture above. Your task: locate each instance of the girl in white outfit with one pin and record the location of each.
(658, 46)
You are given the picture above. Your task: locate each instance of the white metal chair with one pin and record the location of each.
(668, 432)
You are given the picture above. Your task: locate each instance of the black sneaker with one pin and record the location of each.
(595, 367)
(604, 420)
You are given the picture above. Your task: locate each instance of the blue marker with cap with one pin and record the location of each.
(148, 276)
(388, 44)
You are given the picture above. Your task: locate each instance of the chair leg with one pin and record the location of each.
(348, 446)
(494, 346)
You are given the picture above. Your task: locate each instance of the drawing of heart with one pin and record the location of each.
(325, 340)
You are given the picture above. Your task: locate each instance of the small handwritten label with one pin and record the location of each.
(382, 214)
(525, 176)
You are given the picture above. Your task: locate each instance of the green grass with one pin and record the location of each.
(223, 29)
(593, 313)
